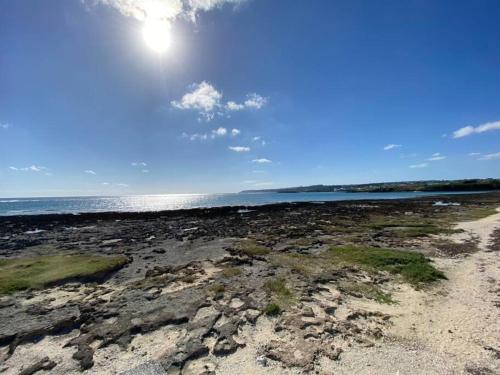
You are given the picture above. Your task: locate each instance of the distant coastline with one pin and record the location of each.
(486, 184)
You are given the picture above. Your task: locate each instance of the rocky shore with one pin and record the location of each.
(262, 290)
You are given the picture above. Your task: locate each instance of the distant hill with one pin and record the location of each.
(431, 185)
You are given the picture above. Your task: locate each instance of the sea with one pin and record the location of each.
(160, 202)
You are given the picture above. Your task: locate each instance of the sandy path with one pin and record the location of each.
(451, 329)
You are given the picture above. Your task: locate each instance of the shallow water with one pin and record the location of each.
(30, 206)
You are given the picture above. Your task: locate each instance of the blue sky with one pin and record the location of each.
(249, 94)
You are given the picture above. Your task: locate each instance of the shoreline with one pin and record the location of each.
(228, 208)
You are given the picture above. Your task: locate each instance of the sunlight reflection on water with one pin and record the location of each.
(130, 203)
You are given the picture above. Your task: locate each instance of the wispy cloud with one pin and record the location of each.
(421, 165)
(239, 148)
(145, 171)
(166, 11)
(207, 101)
(262, 161)
(494, 156)
(90, 171)
(474, 153)
(219, 132)
(253, 100)
(468, 130)
(122, 185)
(138, 164)
(391, 146)
(259, 139)
(4, 125)
(32, 168)
(436, 156)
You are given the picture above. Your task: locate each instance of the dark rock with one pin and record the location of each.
(44, 364)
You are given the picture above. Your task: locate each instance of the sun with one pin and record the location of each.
(157, 35)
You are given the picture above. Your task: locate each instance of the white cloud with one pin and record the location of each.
(474, 153)
(494, 156)
(255, 101)
(421, 165)
(436, 156)
(138, 164)
(255, 139)
(239, 148)
(32, 168)
(233, 106)
(89, 171)
(219, 132)
(235, 132)
(262, 161)
(204, 98)
(145, 171)
(468, 130)
(391, 146)
(207, 100)
(166, 11)
(4, 125)
(105, 183)
(122, 185)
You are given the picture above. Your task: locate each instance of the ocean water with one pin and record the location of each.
(31, 206)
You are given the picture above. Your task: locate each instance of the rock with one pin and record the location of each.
(43, 364)
(147, 368)
(261, 360)
(252, 315)
(84, 355)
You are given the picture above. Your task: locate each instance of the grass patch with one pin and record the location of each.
(272, 309)
(304, 241)
(475, 213)
(280, 292)
(251, 248)
(413, 267)
(369, 291)
(38, 272)
(231, 272)
(218, 290)
(410, 227)
(303, 264)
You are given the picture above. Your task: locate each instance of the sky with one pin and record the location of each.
(109, 97)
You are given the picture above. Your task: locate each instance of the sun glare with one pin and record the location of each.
(156, 34)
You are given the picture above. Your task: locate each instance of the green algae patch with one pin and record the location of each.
(38, 272)
(414, 267)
